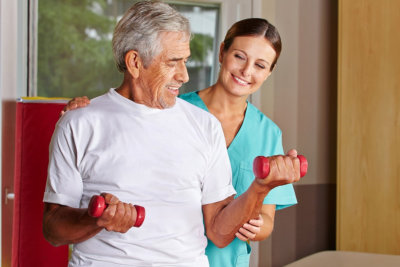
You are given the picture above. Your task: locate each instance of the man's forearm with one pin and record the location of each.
(64, 225)
(234, 214)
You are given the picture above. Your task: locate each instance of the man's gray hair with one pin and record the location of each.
(140, 27)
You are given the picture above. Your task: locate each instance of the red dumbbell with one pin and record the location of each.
(261, 166)
(97, 205)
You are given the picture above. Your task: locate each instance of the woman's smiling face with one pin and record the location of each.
(246, 64)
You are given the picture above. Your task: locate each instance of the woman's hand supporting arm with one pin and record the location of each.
(224, 219)
(260, 228)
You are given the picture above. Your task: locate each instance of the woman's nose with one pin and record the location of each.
(246, 69)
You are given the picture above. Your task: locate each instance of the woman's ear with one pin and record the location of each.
(133, 63)
(221, 52)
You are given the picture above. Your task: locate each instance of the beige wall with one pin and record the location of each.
(300, 96)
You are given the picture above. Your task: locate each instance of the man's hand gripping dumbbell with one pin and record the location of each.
(109, 205)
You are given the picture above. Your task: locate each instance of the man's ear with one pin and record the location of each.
(133, 63)
(221, 52)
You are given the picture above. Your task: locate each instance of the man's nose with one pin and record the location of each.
(182, 73)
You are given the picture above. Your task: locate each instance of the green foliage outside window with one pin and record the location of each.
(70, 62)
(74, 47)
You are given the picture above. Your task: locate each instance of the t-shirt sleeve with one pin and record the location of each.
(64, 183)
(282, 196)
(217, 183)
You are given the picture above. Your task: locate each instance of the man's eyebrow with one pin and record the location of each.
(179, 58)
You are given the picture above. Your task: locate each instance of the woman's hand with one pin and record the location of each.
(250, 229)
(74, 103)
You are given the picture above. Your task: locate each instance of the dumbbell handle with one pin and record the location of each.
(261, 166)
(97, 205)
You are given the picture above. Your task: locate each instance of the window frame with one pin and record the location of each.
(240, 8)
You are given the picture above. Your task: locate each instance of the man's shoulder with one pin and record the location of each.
(95, 108)
(106, 97)
(206, 126)
(194, 110)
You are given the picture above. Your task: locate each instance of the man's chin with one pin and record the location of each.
(167, 103)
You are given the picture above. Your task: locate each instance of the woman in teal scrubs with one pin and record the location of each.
(247, 57)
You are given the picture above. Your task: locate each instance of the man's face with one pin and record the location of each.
(161, 80)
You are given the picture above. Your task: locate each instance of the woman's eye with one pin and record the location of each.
(239, 56)
(260, 66)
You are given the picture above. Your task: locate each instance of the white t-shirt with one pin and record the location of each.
(170, 161)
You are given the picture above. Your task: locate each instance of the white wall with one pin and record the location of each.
(12, 58)
(300, 96)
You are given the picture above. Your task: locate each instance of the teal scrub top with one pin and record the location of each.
(258, 136)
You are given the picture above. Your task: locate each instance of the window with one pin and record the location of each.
(74, 54)
(204, 53)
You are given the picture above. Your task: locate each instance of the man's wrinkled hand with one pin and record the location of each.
(283, 169)
(118, 216)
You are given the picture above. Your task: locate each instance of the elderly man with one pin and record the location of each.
(139, 144)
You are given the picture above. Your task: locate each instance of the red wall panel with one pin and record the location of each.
(35, 123)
